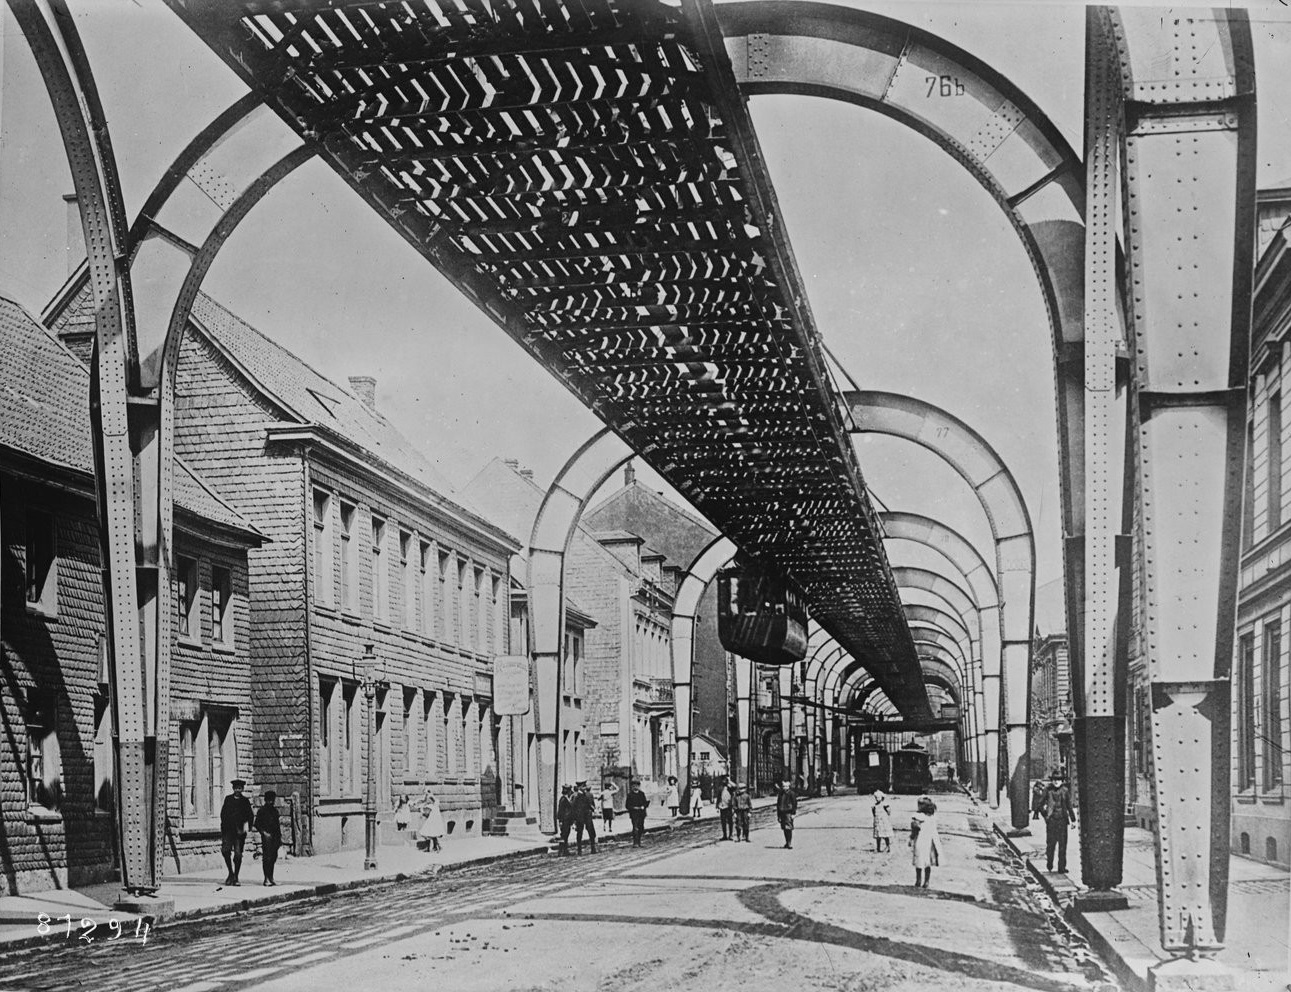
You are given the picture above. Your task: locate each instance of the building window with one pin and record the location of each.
(428, 581)
(410, 744)
(408, 603)
(322, 547)
(1248, 492)
(464, 598)
(431, 755)
(380, 578)
(327, 753)
(1271, 731)
(481, 613)
(188, 770)
(186, 598)
(221, 613)
(349, 561)
(350, 779)
(381, 723)
(445, 597)
(450, 734)
(42, 567)
(222, 759)
(44, 762)
(1275, 460)
(468, 752)
(103, 771)
(1246, 712)
(573, 662)
(497, 605)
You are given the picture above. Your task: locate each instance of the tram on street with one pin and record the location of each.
(905, 770)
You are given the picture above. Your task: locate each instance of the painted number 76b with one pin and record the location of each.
(944, 86)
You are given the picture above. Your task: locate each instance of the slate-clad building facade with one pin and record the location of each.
(56, 780)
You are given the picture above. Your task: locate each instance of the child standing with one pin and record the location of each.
(882, 822)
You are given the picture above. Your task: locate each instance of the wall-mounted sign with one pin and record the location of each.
(511, 685)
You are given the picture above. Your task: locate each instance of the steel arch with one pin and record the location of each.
(973, 458)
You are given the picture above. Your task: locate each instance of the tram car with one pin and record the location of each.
(873, 769)
(761, 615)
(911, 774)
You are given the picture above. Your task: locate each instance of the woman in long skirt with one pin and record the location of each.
(925, 842)
(882, 822)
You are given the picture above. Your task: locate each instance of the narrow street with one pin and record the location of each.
(685, 912)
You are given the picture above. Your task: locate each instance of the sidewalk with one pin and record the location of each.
(1259, 907)
(202, 892)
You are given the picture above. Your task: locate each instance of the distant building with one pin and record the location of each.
(618, 700)
(679, 535)
(56, 762)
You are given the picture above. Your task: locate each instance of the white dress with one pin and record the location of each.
(673, 800)
(925, 847)
(433, 825)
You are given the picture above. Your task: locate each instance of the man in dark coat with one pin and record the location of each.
(270, 835)
(637, 803)
(236, 818)
(565, 816)
(584, 816)
(786, 805)
(1057, 815)
(743, 806)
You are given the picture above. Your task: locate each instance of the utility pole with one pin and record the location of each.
(371, 678)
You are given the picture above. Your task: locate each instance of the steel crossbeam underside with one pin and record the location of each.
(586, 173)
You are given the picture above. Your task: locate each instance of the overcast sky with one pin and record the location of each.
(917, 280)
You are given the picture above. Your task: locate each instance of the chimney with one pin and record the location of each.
(365, 388)
(75, 234)
(629, 474)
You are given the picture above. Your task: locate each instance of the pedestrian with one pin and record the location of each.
(565, 816)
(270, 828)
(584, 815)
(402, 814)
(637, 803)
(831, 781)
(1058, 814)
(236, 818)
(786, 805)
(882, 822)
(673, 799)
(608, 791)
(726, 810)
(1037, 798)
(696, 801)
(432, 827)
(925, 842)
(743, 806)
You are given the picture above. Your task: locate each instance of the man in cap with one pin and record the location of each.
(743, 806)
(236, 818)
(1057, 814)
(786, 805)
(270, 827)
(637, 803)
(565, 816)
(723, 799)
(584, 815)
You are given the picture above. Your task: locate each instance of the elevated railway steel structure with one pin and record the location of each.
(586, 172)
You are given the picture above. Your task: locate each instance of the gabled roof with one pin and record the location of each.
(45, 412)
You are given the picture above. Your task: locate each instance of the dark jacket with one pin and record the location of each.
(565, 810)
(786, 802)
(267, 822)
(637, 800)
(1057, 806)
(236, 815)
(742, 801)
(584, 807)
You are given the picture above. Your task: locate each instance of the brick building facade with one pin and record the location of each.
(56, 776)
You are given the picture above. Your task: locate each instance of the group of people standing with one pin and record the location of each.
(925, 840)
(576, 811)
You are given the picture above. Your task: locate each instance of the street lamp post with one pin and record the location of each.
(370, 679)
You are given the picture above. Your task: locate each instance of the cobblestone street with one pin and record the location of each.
(686, 911)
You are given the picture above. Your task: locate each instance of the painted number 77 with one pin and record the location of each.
(944, 86)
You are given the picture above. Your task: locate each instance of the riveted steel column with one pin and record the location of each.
(682, 643)
(123, 454)
(1189, 143)
(1097, 660)
(785, 675)
(744, 713)
(553, 531)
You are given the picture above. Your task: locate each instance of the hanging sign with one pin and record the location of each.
(511, 685)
